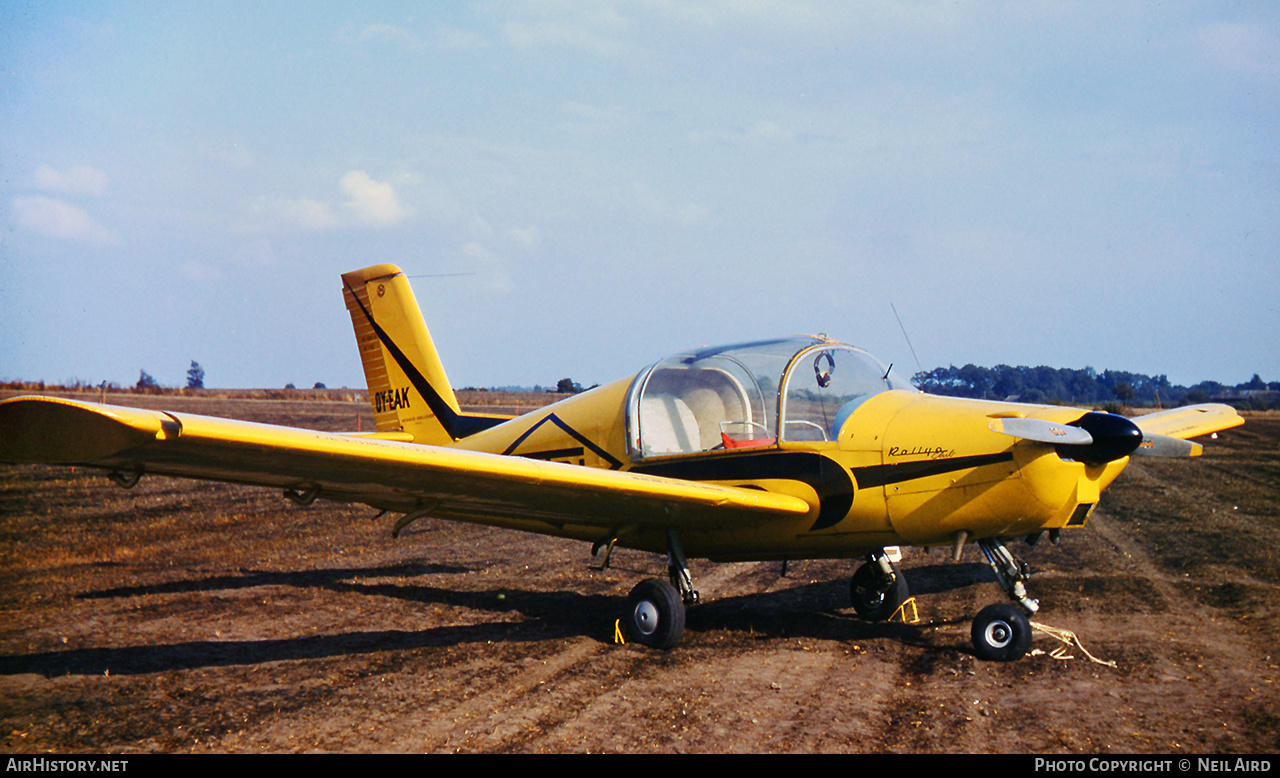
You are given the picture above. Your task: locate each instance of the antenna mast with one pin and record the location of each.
(919, 367)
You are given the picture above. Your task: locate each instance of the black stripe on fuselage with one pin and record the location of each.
(831, 481)
(828, 479)
(882, 475)
(614, 462)
(558, 453)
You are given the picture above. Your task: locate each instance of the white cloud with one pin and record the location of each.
(768, 131)
(764, 132)
(81, 179)
(650, 203)
(256, 253)
(490, 267)
(229, 153)
(461, 40)
(588, 28)
(389, 32)
(478, 226)
(369, 203)
(61, 220)
(770, 14)
(200, 272)
(1241, 48)
(525, 237)
(286, 214)
(372, 202)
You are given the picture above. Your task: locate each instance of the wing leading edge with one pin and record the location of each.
(441, 482)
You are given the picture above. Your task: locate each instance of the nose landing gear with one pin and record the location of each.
(1002, 632)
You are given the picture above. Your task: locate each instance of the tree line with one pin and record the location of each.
(1087, 386)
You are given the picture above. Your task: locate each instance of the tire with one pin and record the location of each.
(655, 614)
(871, 601)
(1001, 633)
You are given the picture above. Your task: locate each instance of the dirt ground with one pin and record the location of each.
(191, 617)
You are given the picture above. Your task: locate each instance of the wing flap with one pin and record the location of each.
(469, 485)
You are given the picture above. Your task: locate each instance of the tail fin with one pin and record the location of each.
(408, 388)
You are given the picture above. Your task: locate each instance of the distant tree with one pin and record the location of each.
(145, 381)
(1123, 392)
(290, 386)
(319, 385)
(568, 386)
(195, 376)
(1195, 396)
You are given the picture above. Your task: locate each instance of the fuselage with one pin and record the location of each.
(879, 464)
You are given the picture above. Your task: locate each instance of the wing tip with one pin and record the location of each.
(55, 430)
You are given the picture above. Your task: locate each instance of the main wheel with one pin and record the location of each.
(655, 614)
(1001, 633)
(873, 598)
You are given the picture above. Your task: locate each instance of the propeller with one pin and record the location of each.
(1041, 431)
(1154, 445)
(1096, 438)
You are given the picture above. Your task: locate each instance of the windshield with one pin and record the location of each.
(825, 385)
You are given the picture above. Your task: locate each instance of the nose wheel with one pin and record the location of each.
(1001, 633)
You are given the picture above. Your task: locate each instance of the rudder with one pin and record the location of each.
(408, 388)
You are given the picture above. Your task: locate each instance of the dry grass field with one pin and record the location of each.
(196, 617)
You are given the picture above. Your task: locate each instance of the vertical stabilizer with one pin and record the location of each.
(408, 388)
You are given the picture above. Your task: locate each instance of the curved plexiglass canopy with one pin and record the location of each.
(750, 395)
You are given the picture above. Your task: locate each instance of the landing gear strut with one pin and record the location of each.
(678, 570)
(878, 588)
(656, 608)
(1010, 571)
(1002, 632)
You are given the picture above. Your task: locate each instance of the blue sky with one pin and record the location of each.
(1070, 184)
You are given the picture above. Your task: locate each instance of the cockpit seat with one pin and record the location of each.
(669, 426)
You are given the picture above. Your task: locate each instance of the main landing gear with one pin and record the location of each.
(655, 608)
(877, 588)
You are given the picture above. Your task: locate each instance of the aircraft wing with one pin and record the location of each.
(387, 474)
(1190, 421)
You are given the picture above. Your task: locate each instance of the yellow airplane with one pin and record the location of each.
(786, 449)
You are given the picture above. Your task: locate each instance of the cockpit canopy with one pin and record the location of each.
(750, 395)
